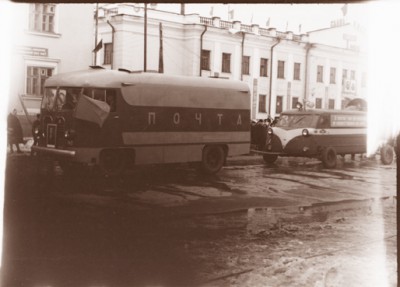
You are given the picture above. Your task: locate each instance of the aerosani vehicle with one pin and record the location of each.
(114, 120)
(316, 133)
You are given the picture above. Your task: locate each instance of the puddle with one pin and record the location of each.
(269, 218)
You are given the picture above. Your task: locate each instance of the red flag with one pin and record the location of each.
(98, 46)
(91, 110)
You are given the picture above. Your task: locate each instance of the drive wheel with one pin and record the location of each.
(329, 157)
(112, 162)
(268, 158)
(213, 159)
(387, 154)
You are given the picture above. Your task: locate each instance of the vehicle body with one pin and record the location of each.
(117, 119)
(321, 134)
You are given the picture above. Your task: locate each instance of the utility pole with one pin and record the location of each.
(145, 38)
(96, 32)
(182, 8)
(160, 57)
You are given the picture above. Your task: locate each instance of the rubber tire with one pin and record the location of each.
(69, 169)
(213, 159)
(387, 154)
(112, 162)
(268, 158)
(329, 157)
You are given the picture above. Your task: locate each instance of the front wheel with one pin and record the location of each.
(213, 159)
(112, 161)
(268, 158)
(387, 154)
(328, 157)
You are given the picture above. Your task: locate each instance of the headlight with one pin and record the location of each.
(69, 134)
(305, 132)
(270, 131)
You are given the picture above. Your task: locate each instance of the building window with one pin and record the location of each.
(205, 60)
(226, 63)
(332, 77)
(296, 72)
(35, 77)
(281, 69)
(353, 75)
(320, 74)
(263, 67)
(107, 53)
(279, 104)
(318, 103)
(41, 17)
(344, 76)
(246, 65)
(295, 100)
(331, 104)
(262, 103)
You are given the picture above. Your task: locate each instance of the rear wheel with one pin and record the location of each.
(387, 154)
(112, 161)
(329, 157)
(268, 158)
(213, 159)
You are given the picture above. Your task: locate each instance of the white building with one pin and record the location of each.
(48, 39)
(280, 68)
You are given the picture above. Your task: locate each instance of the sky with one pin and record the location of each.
(281, 16)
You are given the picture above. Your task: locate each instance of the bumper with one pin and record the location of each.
(53, 152)
(266, 152)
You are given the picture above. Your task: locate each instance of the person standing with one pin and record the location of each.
(36, 130)
(14, 131)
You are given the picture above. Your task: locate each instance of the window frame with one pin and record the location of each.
(332, 75)
(42, 18)
(246, 65)
(296, 71)
(205, 60)
(263, 67)
(331, 104)
(34, 83)
(262, 105)
(107, 59)
(295, 100)
(281, 69)
(320, 74)
(318, 103)
(226, 63)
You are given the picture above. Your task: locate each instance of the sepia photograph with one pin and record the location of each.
(199, 144)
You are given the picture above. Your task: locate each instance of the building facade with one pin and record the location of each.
(48, 39)
(281, 68)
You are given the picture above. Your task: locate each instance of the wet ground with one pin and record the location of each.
(290, 224)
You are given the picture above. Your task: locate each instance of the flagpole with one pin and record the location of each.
(96, 32)
(145, 39)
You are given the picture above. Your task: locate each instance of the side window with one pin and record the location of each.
(108, 96)
(323, 122)
(111, 99)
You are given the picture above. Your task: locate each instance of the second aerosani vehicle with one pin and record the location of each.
(321, 134)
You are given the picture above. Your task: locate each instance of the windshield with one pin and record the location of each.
(297, 121)
(64, 99)
(61, 99)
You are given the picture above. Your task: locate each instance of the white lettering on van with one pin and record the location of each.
(197, 116)
(239, 120)
(152, 118)
(177, 118)
(219, 118)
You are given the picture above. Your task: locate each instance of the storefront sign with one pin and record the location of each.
(32, 51)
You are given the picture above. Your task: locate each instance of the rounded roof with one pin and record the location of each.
(321, 111)
(116, 79)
